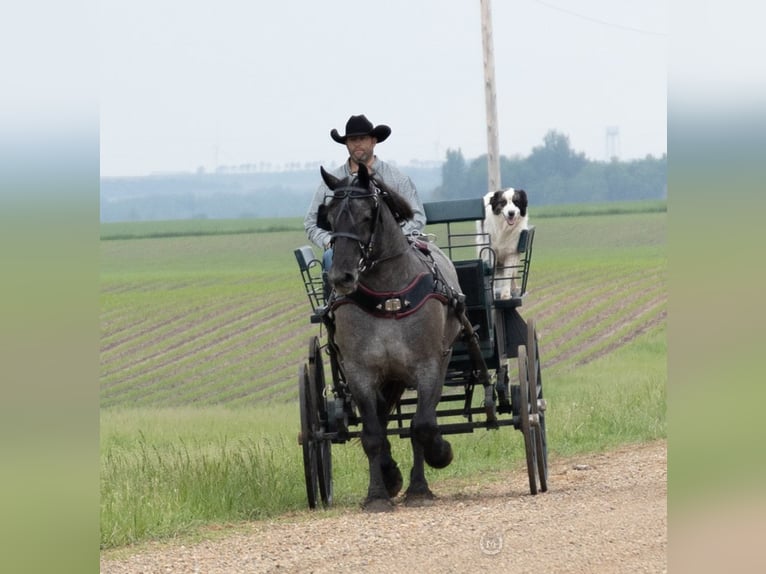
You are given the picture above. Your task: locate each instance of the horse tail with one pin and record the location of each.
(390, 395)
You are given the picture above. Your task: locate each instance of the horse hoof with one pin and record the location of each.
(439, 458)
(418, 494)
(419, 499)
(378, 505)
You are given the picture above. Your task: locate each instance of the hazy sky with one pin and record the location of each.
(189, 83)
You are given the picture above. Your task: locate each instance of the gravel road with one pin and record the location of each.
(603, 513)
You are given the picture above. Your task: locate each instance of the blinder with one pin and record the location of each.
(344, 195)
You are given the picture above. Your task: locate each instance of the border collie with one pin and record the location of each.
(505, 218)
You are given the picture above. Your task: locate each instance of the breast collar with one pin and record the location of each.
(396, 304)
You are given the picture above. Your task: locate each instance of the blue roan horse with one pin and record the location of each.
(396, 316)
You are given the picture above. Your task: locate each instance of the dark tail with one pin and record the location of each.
(390, 394)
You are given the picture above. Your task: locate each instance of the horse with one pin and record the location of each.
(396, 313)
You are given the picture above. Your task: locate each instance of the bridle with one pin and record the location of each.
(345, 194)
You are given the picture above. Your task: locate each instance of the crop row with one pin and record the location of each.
(232, 352)
(225, 320)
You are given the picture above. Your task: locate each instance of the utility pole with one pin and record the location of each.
(493, 153)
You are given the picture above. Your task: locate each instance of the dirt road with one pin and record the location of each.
(603, 513)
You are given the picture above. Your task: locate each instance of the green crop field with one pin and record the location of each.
(204, 326)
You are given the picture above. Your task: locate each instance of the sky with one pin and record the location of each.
(185, 84)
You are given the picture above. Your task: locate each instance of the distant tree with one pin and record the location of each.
(589, 185)
(556, 156)
(453, 176)
(477, 179)
(515, 172)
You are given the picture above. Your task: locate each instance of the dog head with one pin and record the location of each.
(510, 204)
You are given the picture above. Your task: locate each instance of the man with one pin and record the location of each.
(360, 140)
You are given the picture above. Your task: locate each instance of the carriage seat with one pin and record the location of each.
(454, 210)
(312, 274)
(475, 284)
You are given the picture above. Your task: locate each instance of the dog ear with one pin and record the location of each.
(520, 199)
(322, 221)
(495, 201)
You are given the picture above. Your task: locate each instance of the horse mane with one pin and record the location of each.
(400, 207)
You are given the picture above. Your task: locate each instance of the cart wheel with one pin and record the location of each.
(526, 428)
(309, 423)
(537, 405)
(324, 448)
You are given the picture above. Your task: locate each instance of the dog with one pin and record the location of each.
(505, 217)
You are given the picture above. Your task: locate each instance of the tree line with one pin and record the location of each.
(554, 173)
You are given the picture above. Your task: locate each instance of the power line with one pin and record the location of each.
(602, 22)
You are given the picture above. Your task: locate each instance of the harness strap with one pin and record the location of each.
(395, 304)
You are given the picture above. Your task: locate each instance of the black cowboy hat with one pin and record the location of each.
(361, 126)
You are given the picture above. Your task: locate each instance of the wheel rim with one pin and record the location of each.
(526, 429)
(536, 393)
(307, 437)
(324, 450)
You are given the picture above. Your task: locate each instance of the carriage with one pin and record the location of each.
(511, 396)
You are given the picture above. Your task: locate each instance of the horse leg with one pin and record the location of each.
(418, 493)
(378, 451)
(427, 445)
(392, 476)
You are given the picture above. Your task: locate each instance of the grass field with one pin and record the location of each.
(202, 336)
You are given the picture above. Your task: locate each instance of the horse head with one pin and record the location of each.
(363, 216)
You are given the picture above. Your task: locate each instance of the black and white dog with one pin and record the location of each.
(505, 218)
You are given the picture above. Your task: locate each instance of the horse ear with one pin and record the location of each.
(363, 176)
(329, 179)
(322, 221)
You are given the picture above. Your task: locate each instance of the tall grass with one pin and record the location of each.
(618, 399)
(182, 472)
(166, 472)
